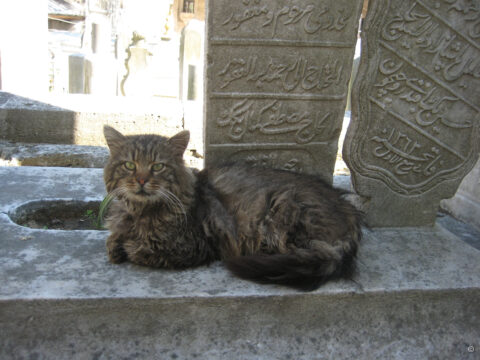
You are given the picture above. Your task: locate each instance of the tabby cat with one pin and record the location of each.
(269, 226)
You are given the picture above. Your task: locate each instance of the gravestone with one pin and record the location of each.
(277, 77)
(191, 61)
(191, 81)
(415, 128)
(137, 82)
(76, 73)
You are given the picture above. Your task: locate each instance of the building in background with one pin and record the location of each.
(126, 47)
(66, 25)
(24, 46)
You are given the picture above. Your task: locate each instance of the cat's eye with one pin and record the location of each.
(158, 167)
(129, 165)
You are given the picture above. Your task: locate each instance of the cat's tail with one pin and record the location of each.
(304, 269)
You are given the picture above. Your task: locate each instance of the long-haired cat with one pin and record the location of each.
(267, 225)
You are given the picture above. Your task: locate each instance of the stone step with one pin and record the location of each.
(52, 155)
(415, 296)
(66, 155)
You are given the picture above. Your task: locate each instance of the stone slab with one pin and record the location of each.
(277, 78)
(79, 119)
(465, 205)
(465, 231)
(66, 155)
(63, 155)
(415, 117)
(415, 296)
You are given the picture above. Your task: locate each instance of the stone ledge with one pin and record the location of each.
(415, 295)
(52, 155)
(79, 119)
(66, 155)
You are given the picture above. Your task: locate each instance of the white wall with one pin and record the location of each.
(24, 46)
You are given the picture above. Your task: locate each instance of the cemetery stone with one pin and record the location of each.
(415, 126)
(277, 79)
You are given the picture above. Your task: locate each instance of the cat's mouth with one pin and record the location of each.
(142, 192)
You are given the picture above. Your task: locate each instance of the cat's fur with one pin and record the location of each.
(267, 225)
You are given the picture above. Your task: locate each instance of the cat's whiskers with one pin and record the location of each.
(119, 192)
(170, 200)
(174, 201)
(172, 207)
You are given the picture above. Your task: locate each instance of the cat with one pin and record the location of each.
(268, 226)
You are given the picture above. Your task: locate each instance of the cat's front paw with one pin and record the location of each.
(116, 255)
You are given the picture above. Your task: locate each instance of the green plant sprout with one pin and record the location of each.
(102, 211)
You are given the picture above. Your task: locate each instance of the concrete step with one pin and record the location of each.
(65, 155)
(415, 296)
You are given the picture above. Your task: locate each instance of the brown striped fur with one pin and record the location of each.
(267, 225)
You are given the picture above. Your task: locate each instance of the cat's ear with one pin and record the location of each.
(179, 142)
(115, 140)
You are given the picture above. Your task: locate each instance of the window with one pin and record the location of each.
(189, 6)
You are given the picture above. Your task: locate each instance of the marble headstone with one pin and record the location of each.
(277, 77)
(415, 117)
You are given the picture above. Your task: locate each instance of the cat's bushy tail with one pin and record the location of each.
(304, 269)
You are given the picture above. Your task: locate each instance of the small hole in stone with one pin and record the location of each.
(58, 215)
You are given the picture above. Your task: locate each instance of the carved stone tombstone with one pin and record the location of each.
(277, 80)
(415, 126)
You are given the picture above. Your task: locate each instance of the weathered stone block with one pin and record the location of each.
(79, 119)
(276, 81)
(465, 205)
(415, 127)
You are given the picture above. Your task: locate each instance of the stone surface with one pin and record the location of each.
(415, 296)
(65, 155)
(79, 119)
(24, 154)
(276, 81)
(464, 231)
(415, 127)
(465, 205)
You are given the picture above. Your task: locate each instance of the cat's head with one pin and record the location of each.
(145, 168)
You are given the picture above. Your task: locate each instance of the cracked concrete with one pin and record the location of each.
(415, 295)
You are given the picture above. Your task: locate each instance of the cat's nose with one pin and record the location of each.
(142, 180)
